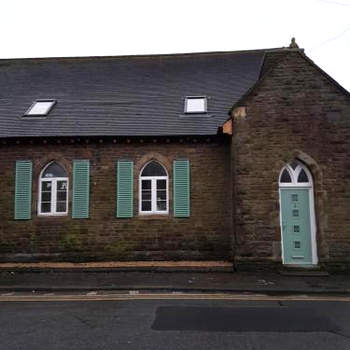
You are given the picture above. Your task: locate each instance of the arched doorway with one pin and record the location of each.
(297, 215)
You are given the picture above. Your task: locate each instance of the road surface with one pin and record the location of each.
(173, 323)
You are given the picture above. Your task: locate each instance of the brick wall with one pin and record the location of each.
(205, 235)
(296, 112)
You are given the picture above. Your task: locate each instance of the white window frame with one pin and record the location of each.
(294, 174)
(154, 192)
(194, 98)
(29, 114)
(53, 181)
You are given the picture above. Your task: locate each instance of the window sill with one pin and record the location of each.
(52, 215)
(164, 216)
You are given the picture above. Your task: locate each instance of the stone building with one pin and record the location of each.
(239, 156)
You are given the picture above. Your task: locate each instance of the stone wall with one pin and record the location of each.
(206, 235)
(294, 113)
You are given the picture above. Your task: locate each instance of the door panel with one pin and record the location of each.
(296, 227)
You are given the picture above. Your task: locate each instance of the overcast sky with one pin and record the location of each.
(47, 28)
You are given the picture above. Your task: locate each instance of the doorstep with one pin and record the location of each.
(307, 271)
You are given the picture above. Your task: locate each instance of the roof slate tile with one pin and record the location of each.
(124, 96)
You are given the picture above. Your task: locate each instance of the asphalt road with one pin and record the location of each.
(175, 325)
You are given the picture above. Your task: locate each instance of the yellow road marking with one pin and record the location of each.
(175, 296)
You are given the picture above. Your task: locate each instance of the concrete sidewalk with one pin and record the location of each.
(227, 282)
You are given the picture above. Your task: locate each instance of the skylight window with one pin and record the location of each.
(40, 108)
(196, 104)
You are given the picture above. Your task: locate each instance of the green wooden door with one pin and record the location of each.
(296, 228)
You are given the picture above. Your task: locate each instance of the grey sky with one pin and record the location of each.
(45, 28)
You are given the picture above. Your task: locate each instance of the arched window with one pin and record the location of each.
(53, 190)
(153, 189)
(295, 174)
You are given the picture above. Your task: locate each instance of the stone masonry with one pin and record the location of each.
(295, 112)
(206, 235)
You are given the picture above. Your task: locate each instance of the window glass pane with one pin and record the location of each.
(161, 195)
(61, 196)
(54, 170)
(61, 185)
(161, 184)
(61, 207)
(153, 169)
(40, 108)
(302, 176)
(61, 190)
(195, 105)
(146, 195)
(161, 205)
(46, 186)
(146, 206)
(45, 207)
(146, 184)
(45, 196)
(285, 177)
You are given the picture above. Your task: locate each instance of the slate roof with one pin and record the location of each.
(125, 95)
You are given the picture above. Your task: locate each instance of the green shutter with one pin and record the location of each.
(81, 189)
(125, 189)
(182, 188)
(23, 190)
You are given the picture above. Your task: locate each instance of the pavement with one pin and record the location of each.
(164, 282)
